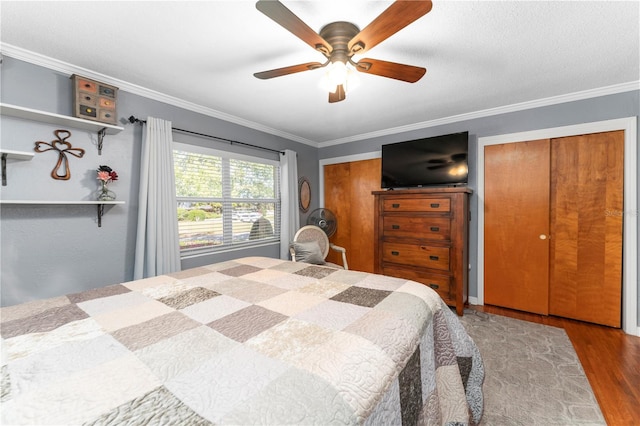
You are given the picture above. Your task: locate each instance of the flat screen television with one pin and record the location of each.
(434, 161)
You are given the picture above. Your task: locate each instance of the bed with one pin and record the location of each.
(249, 341)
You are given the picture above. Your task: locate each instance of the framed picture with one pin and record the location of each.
(304, 193)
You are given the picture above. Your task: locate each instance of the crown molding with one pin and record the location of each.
(554, 100)
(66, 68)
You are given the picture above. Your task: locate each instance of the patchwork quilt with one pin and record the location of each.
(249, 341)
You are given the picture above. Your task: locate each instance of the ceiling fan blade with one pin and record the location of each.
(288, 20)
(393, 19)
(338, 95)
(263, 75)
(403, 72)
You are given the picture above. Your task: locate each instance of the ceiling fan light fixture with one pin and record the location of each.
(353, 80)
(336, 74)
(339, 73)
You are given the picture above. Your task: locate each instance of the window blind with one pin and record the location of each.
(224, 199)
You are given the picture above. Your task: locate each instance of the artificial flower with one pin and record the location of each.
(106, 174)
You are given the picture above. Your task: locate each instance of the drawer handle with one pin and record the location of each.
(395, 206)
(433, 257)
(395, 226)
(435, 205)
(434, 286)
(435, 229)
(395, 253)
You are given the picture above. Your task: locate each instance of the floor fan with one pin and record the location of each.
(323, 219)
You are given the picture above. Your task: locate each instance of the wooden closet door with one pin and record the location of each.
(347, 193)
(516, 226)
(586, 222)
(337, 179)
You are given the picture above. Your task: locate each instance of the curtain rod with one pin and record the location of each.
(133, 120)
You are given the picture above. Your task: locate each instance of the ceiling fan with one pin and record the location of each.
(340, 41)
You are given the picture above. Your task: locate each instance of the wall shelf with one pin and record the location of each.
(48, 117)
(17, 155)
(52, 118)
(9, 155)
(99, 204)
(101, 129)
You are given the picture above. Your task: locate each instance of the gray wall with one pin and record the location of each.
(53, 250)
(584, 111)
(47, 250)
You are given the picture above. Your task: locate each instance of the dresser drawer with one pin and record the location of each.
(430, 228)
(422, 256)
(416, 204)
(439, 283)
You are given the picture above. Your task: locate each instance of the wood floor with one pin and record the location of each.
(609, 357)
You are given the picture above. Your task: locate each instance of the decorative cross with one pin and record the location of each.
(63, 147)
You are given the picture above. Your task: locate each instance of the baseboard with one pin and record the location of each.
(474, 301)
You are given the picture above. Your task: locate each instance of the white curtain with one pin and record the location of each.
(157, 243)
(290, 218)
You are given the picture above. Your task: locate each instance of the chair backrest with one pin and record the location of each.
(261, 228)
(313, 233)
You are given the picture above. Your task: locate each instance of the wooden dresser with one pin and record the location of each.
(422, 235)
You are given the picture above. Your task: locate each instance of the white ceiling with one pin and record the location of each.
(479, 55)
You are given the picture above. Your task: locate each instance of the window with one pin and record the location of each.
(224, 199)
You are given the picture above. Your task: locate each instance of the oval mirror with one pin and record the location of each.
(304, 192)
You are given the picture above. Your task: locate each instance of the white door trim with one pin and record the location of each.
(630, 219)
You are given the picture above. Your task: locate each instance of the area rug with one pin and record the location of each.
(532, 374)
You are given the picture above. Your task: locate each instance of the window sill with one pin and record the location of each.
(197, 253)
